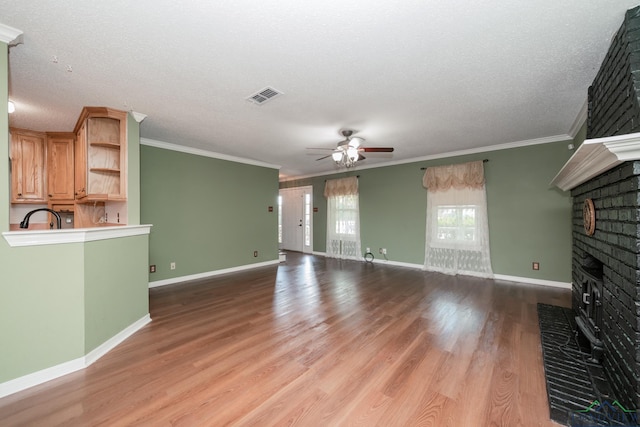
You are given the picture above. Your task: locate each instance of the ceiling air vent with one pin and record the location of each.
(264, 95)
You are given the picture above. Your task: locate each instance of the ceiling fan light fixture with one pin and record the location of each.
(356, 141)
(352, 153)
(348, 151)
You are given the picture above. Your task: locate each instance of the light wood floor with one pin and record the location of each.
(315, 342)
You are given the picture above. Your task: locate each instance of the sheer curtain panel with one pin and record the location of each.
(343, 218)
(457, 237)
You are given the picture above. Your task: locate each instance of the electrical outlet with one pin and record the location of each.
(384, 251)
(255, 254)
(380, 251)
(368, 250)
(152, 268)
(535, 265)
(173, 265)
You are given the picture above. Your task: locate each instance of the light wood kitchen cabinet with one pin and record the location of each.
(101, 148)
(81, 174)
(80, 160)
(28, 154)
(60, 165)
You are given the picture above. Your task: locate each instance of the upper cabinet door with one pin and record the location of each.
(27, 166)
(60, 166)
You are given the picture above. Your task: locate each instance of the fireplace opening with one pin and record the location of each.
(589, 314)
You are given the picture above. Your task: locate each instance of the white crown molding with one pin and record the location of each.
(138, 117)
(596, 156)
(497, 147)
(75, 235)
(9, 34)
(208, 274)
(205, 153)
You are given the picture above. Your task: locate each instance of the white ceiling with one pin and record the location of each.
(425, 76)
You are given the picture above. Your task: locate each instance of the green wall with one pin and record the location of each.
(207, 214)
(41, 307)
(528, 220)
(59, 302)
(116, 291)
(4, 137)
(133, 169)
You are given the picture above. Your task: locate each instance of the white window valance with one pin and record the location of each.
(341, 187)
(463, 175)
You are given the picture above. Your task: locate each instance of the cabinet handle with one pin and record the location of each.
(20, 194)
(50, 195)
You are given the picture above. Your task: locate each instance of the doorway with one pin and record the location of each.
(295, 219)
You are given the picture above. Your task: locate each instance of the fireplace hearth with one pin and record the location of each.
(589, 276)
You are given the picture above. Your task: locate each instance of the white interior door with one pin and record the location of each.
(297, 219)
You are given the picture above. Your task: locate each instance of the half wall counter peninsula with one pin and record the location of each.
(81, 174)
(78, 292)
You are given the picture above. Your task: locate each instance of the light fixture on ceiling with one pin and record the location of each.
(349, 151)
(11, 107)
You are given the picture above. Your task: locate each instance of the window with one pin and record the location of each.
(346, 215)
(280, 219)
(343, 218)
(307, 219)
(456, 223)
(457, 230)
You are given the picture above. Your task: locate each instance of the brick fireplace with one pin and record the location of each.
(610, 255)
(604, 173)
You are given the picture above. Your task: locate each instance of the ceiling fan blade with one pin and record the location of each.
(377, 149)
(323, 149)
(324, 157)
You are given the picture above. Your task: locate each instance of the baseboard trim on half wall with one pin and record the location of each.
(48, 374)
(504, 277)
(112, 342)
(208, 274)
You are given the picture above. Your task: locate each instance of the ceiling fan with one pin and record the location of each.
(349, 151)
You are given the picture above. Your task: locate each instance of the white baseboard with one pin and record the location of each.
(48, 374)
(532, 281)
(208, 274)
(398, 263)
(42, 376)
(518, 279)
(112, 342)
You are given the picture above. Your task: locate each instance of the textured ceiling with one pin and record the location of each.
(427, 77)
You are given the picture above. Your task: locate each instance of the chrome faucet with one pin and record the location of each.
(25, 222)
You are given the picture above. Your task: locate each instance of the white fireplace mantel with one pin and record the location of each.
(596, 156)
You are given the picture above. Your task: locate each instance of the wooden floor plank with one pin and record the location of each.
(315, 341)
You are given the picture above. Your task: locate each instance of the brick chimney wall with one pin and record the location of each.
(614, 106)
(614, 109)
(615, 243)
